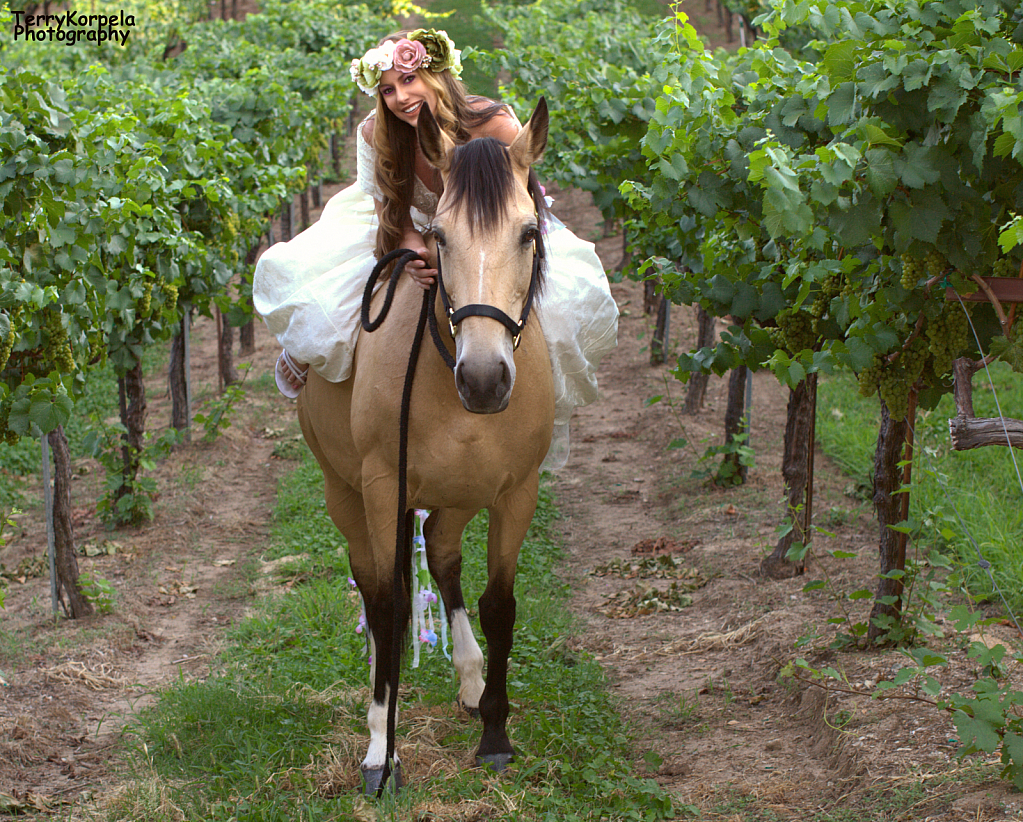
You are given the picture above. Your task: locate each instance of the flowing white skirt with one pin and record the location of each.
(309, 293)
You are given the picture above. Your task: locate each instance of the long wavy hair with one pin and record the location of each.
(395, 143)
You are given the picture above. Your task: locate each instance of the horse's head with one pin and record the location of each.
(489, 249)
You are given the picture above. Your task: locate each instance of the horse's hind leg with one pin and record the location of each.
(443, 532)
(509, 522)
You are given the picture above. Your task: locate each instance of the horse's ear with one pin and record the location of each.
(528, 146)
(435, 143)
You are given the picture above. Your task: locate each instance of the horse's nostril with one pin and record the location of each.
(483, 387)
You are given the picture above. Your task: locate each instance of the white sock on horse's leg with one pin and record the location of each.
(467, 658)
(377, 722)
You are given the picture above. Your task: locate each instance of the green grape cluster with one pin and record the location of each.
(170, 294)
(145, 305)
(935, 264)
(831, 287)
(893, 380)
(56, 345)
(912, 271)
(795, 331)
(7, 346)
(870, 377)
(1004, 267)
(948, 336)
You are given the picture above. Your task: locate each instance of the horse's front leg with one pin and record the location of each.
(443, 531)
(509, 522)
(385, 609)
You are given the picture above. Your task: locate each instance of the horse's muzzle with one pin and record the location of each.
(484, 388)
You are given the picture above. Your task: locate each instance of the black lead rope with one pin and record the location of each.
(404, 523)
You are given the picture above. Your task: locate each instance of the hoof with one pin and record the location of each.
(473, 712)
(371, 778)
(496, 762)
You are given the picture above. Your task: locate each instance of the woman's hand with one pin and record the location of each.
(422, 271)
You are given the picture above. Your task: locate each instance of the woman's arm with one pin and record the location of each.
(420, 271)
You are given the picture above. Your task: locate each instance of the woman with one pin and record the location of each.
(309, 290)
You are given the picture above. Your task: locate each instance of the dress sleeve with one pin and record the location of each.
(366, 163)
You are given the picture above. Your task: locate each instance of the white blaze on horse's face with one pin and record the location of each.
(486, 231)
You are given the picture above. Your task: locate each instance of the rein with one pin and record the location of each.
(403, 536)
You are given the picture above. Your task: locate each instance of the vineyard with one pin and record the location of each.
(787, 600)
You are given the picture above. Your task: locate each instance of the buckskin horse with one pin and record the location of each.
(477, 435)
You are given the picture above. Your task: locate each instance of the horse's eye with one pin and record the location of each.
(438, 238)
(530, 235)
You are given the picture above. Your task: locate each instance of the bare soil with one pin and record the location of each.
(700, 686)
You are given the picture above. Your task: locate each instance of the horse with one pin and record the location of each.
(476, 437)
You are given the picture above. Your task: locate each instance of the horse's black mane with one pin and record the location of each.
(481, 180)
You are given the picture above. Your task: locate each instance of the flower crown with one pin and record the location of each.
(423, 48)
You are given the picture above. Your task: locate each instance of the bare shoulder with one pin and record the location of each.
(504, 125)
(367, 129)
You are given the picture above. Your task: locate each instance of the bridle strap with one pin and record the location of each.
(482, 310)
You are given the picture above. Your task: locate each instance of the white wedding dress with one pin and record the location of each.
(309, 293)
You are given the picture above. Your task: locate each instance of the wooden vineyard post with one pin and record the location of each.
(227, 374)
(732, 469)
(303, 207)
(698, 382)
(64, 566)
(797, 470)
(659, 342)
(966, 430)
(247, 333)
(179, 377)
(895, 437)
(50, 541)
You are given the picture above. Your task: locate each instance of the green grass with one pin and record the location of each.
(961, 502)
(253, 741)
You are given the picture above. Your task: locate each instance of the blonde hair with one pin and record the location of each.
(395, 143)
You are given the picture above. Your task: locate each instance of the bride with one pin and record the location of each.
(309, 290)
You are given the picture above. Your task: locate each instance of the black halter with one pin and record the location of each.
(482, 310)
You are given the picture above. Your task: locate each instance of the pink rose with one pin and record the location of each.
(408, 56)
